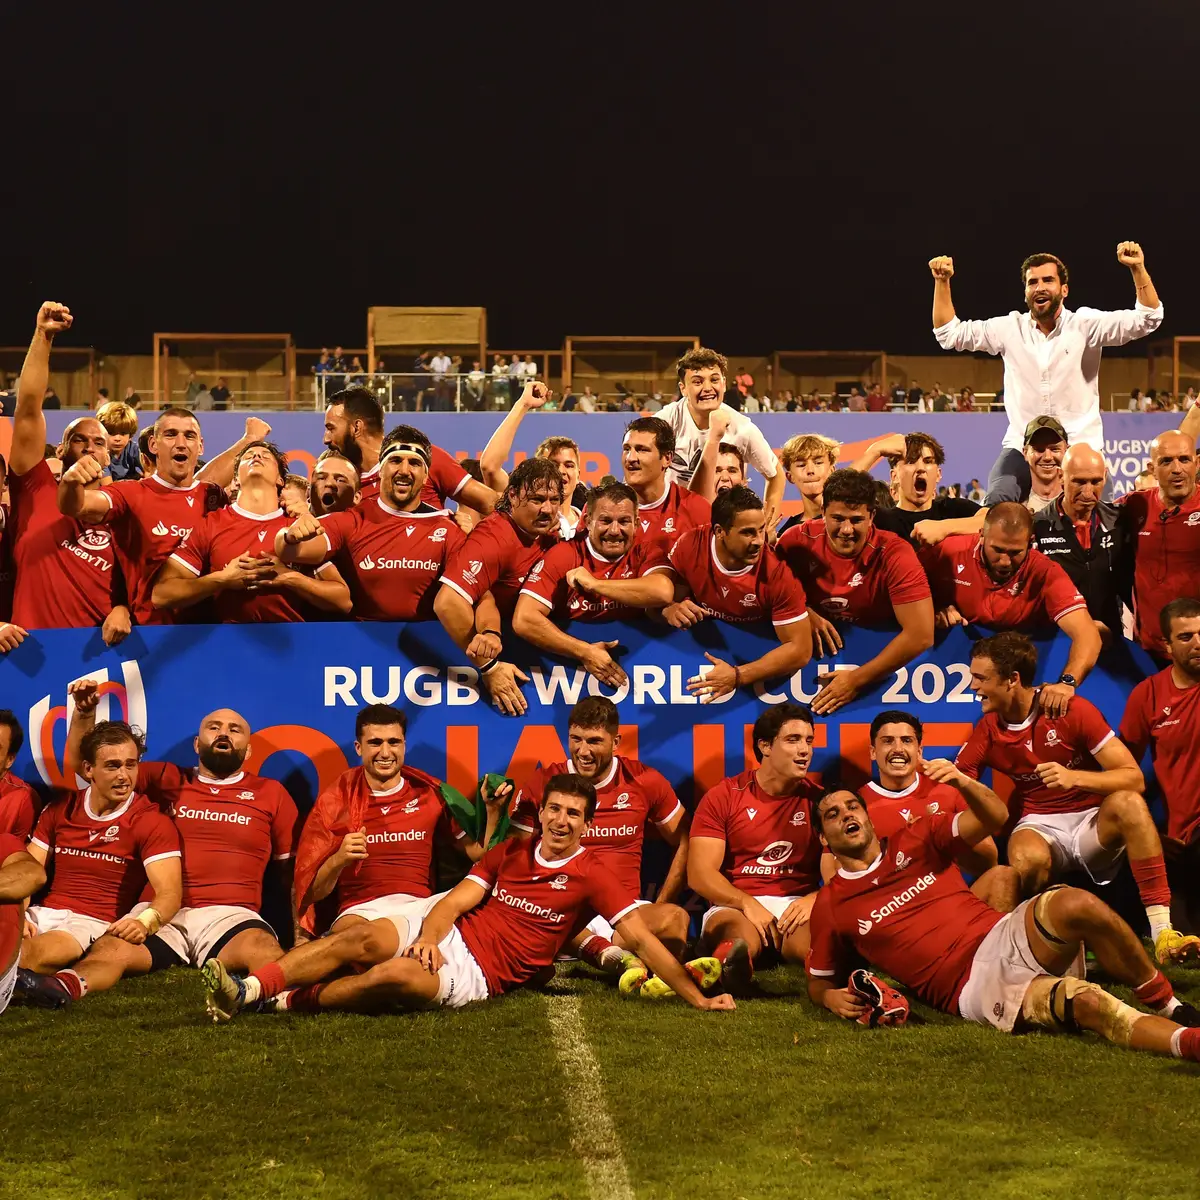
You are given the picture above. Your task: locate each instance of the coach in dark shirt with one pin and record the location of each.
(1081, 533)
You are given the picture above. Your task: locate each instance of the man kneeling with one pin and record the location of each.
(502, 926)
(900, 903)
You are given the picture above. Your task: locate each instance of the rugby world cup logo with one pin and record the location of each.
(129, 695)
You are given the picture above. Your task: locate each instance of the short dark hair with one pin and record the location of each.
(727, 504)
(409, 434)
(897, 716)
(16, 735)
(836, 792)
(915, 443)
(610, 489)
(472, 468)
(1011, 653)
(595, 712)
(769, 723)
(144, 440)
(664, 435)
(330, 452)
(1183, 609)
(571, 785)
(730, 448)
(1040, 260)
(379, 714)
(700, 358)
(278, 455)
(850, 487)
(360, 404)
(175, 410)
(1011, 517)
(110, 733)
(526, 477)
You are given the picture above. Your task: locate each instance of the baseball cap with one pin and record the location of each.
(1051, 423)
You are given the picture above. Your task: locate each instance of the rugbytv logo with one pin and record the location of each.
(130, 698)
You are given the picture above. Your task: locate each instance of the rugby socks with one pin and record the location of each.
(73, 984)
(1157, 994)
(1185, 1043)
(305, 999)
(1150, 875)
(600, 953)
(265, 983)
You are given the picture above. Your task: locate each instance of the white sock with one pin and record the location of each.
(1160, 919)
(611, 957)
(1168, 1008)
(1176, 1040)
(253, 989)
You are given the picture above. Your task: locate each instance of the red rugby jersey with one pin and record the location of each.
(676, 511)
(547, 581)
(891, 812)
(12, 916)
(18, 806)
(495, 557)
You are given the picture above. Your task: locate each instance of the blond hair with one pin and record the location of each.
(808, 445)
(117, 417)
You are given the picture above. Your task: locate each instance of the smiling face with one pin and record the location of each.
(381, 749)
(897, 751)
(591, 751)
(844, 825)
(1044, 454)
(918, 481)
(994, 690)
(641, 462)
(1044, 292)
(612, 526)
(563, 819)
(743, 541)
(729, 472)
(401, 478)
(704, 388)
(790, 754)
(847, 526)
(535, 510)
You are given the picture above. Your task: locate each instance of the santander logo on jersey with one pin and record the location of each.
(898, 901)
(130, 696)
(179, 531)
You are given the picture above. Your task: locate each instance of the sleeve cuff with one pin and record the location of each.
(1145, 308)
(671, 815)
(183, 562)
(159, 857)
(455, 587)
(950, 325)
(532, 596)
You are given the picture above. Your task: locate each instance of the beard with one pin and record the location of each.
(221, 763)
(348, 448)
(1055, 304)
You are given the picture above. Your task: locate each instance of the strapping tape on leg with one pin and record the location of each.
(1041, 917)
(1050, 1003)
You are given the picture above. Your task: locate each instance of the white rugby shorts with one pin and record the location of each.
(1074, 843)
(193, 932)
(8, 981)
(775, 905)
(460, 979)
(85, 930)
(403, 911)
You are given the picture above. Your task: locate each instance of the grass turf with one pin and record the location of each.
(136, 1094)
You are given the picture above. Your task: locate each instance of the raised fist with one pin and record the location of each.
(257, 430)
(942, 267)
(303, 529)
(1129, 254)
(535, 395)
(85, 470)
(85, 693)
(53, 318)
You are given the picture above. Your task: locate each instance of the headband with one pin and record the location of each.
(422, 452)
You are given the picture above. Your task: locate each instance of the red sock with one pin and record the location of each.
(270, 979)
(721, 953)
(1150, 875)
(306, 999)
(74, 985)
(1189, 1044)
(592, 951)
(1156, 992)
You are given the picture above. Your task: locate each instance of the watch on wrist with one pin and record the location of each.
(1068, 679)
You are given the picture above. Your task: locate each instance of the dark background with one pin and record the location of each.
(770, 177)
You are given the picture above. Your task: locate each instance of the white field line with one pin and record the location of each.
(593, 1134)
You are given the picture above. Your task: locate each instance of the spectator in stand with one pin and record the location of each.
(654, 404)
(899, 397)
(938, 402)
(475, 388)
(1135, 400)
(587, 400)
(858, 402)
(440, 366)
(516, 379)
(132, 399)
(751, 404)
(356, 373)
(120, 424)
(916, 398)
(51, 400)
(500, 392)
(975, 492)
(101, 397)
(744, 382)
(877, 400)
(1045, 445)
(1084, 535)
(529, 370)
(1188, 400)
(320, 370)
(221, 395)
(228, 556)
(856, 574)
(809, 460)
(607, 573)
(998, 579)
(966, 400)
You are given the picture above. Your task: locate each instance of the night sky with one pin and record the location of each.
(767, 177)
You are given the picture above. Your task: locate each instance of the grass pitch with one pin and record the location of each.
(135, 1094)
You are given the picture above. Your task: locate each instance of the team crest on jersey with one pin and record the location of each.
(1018, 586)
(622, 801)
(471, 574)
(109, 835)
(411, 807)
(94, 539)
(749, 600)
(669, 524)
(902, 860)
(439, 534)
(537, 568)
(559, 883)
(797, 817)
(856, 580)
(932, 808)
(775, 853)
(1193, 518)
(1051, 737)
(245, 795)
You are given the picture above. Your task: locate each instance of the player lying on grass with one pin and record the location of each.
(20, 876)
(900, 903)
(501, 927)
(368, 847)
(230, 825)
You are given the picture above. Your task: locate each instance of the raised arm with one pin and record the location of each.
(942, 269)
(353, 849)
(1132, 256)
(986, 812)
(704, 478)
(219, 470)
(29, 422)
(495, 453)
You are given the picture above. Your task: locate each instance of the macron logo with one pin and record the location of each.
(864, 926)
(160, 530)
(961, 568)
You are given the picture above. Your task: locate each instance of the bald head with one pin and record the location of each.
(1083, 481)
(223, 743)
(1010, 518)
(84, 435)
(1173, 458)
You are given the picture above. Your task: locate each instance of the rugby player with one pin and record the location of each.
(501, 928)
(1162, 716)
(392, 549)
(562, 451)
(231, 825)
(65, 573)
(228, 556)
(369, 845)
(630, 798)
(726, 570)
(149, 517)
(604, 573)
(665, 508)
(857, 574)
(18, 801)
(905, 792)
(21, 876)
(1077, 787)
(108, 843)
(752, 853)
(354, 428)
(484, 577)
(998, 579)
(901, 904)
(334, 485)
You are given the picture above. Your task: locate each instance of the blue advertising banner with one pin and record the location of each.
(972, 440)
(300, 687)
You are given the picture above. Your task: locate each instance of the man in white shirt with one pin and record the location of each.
(1051, 354)
(702, 378)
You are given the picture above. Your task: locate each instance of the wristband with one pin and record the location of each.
(494, 632)
(488, 666)
(737, 677)
(151, 919)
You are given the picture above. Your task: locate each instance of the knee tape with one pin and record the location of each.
(1050, 1004)
(1041, 917)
